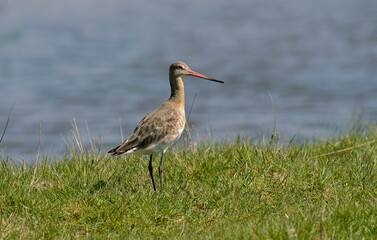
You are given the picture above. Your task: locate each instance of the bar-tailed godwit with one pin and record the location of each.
(162, 127)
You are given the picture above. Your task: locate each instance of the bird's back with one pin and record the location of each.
(156, 131)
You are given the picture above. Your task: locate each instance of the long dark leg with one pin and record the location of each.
(160, 169)
(151, 171)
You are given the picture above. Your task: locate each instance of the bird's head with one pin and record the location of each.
(180, 69)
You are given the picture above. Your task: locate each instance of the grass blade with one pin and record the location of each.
(6, 125)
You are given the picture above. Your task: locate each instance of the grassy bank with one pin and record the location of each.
(321, 190)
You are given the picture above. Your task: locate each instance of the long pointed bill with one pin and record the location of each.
(195, 74)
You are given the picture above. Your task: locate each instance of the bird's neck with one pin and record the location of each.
(177, 90)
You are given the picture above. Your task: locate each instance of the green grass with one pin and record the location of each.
(232, 190)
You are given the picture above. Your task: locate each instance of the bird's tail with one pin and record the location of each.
(114, 152)
(123, 148)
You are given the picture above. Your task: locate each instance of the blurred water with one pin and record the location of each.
(99, 61)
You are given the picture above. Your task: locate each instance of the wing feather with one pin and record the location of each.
(152, 128)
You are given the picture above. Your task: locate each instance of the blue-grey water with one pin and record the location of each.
(100, 61)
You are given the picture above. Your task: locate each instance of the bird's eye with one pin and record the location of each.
(180, 67)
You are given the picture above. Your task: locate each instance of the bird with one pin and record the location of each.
(161, 128)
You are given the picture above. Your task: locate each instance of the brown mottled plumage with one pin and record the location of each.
(163, 126)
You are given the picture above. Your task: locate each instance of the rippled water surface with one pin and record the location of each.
(101, 61)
